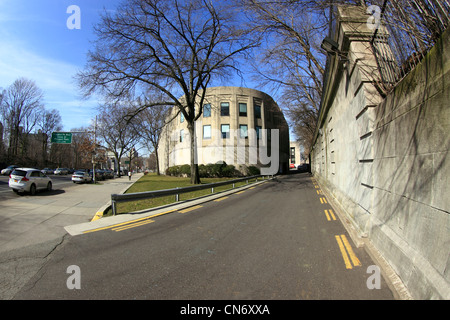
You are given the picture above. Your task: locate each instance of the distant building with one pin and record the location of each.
(294, 154)
(239, 126)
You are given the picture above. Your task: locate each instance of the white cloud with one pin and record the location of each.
(54, 77)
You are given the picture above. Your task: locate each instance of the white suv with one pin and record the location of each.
(29, 180)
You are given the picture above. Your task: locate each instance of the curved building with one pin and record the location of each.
(240, 126)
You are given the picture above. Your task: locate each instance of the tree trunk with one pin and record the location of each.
(157, 162)
(195, 176)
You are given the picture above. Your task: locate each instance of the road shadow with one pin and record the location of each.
(42, 193)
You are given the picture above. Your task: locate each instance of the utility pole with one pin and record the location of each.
(93, 153)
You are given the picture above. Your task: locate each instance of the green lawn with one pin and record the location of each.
(152, 182)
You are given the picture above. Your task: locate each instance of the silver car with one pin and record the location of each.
(61, 171)
(7, 171)
(81, 176)
(29, 180)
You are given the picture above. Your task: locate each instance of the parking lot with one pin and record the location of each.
(26, 220)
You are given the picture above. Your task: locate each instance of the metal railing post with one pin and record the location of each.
(113, 206)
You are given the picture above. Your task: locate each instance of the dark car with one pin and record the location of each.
(98, 175)
(109, 174)
(303, 167)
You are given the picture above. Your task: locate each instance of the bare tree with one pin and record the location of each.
(116, 131)
(150, 124)
(168, 46)
(48, 122)
(83, 147)
(19, 108)
(291, 59)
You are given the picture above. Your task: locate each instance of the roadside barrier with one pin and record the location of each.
(115, 198)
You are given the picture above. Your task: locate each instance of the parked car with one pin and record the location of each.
(303, 167)
(7, 171)
(29, 180)
(47, 171)
(81, 177)
(109, 174)
(98, 175)
(61, 171)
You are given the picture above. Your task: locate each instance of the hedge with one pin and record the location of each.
(216, 170)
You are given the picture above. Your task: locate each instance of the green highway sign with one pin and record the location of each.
(62, 137)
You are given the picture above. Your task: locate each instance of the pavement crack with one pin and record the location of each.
(21, 270)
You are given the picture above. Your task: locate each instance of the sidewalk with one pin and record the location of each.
(30, 220)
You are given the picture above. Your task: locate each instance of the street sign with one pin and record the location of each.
(62, 137)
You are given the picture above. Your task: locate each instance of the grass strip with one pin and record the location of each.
(153, 182)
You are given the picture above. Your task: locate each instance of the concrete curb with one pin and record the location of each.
(99, 214)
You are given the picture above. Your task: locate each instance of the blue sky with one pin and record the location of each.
(36, 43)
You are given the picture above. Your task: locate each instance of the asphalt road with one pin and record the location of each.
(273, 241)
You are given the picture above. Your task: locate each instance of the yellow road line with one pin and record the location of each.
(128, 222)
(348, 265)
(190, 209)
(330, 215)
(133, 225)
(352, 255)
(323, 200)
(220, 199)
(240, 192)
(345, 248)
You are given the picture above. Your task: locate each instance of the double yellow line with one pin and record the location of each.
(131, 224)
(330, 215)
(347, 253)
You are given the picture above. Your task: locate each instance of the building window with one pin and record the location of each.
(207, 110)
(224, 109)
(181, 117)
(225, 129)
(181, 135)
(258, 132)
(207, 132)
(243, 131)
(257, 111)
(242, 109)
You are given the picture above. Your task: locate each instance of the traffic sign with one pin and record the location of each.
(62, 137)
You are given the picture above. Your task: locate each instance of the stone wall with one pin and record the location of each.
(385, 160)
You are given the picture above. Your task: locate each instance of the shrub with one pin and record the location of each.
(229, 171)
(216, 170)
(185, 170)
(253, 171)
(173, 171)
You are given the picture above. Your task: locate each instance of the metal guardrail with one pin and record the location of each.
(115, 198)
